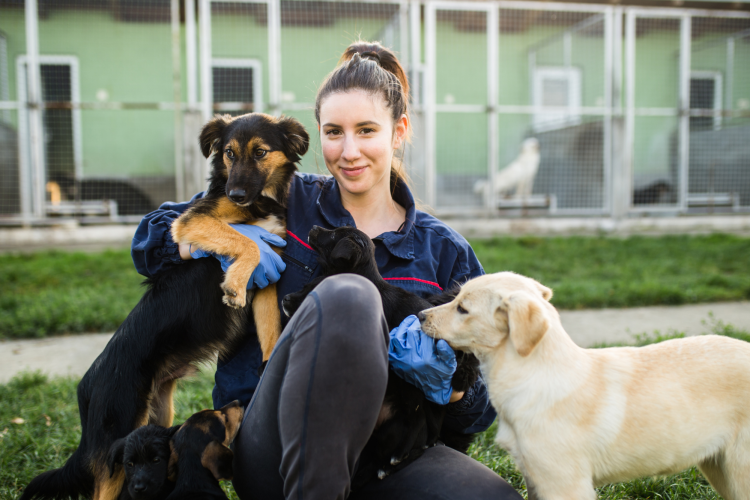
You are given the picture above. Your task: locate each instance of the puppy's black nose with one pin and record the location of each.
(139, 487)
(237, 195)
(420, 316)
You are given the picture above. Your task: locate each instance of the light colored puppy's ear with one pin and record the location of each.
(527, 321)
(546, 292)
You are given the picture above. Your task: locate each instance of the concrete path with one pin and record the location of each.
(72, 355)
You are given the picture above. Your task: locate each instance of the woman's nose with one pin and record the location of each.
(351, 150)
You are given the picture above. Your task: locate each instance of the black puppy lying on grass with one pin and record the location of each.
(178, 463)
(409, 423)
(144, 454)
(200, 453)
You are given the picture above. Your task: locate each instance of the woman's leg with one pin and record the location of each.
(319, 397)
(441, 473)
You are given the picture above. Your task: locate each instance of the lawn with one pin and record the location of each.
(49, 431)
(52, 293)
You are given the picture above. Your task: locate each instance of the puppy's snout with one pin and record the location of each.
(139, 487)
(237, 195)
(421, 316)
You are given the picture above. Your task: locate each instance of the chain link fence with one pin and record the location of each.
(519, 108)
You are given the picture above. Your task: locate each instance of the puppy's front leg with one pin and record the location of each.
(208, 228)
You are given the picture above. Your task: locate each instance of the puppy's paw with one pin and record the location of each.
(233, 297)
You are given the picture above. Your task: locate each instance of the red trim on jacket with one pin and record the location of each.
(417, 279)
(297, 238)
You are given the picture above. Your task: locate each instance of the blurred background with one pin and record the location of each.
(636, 109)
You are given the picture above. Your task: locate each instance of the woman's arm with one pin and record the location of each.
(153, 249)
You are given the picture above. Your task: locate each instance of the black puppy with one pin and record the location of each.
(201, 455)
(144, 454)
(411, 423)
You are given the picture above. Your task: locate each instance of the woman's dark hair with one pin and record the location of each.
(370, 67)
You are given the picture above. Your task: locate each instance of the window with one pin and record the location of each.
(237, 87)
(705, 94)
(556, 95)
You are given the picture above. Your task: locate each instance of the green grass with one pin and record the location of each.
(51, 431)
(52, 293)
(638, 271)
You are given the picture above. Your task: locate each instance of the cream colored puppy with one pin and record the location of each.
(575, 418)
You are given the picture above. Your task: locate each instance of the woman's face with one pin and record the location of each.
(359, 138)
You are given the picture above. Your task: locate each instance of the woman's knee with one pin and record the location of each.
(351, 293)
(351, 314)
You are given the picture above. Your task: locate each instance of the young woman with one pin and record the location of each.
(309, 418)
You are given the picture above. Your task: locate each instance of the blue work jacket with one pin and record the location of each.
(425, 256)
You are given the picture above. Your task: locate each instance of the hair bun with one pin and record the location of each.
(373, 56)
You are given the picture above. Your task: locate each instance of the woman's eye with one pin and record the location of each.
(332, 132)
(229, 153)
(367, 131)
(260, 153)
(461, 310)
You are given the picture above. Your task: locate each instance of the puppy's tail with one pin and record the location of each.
(69, 481)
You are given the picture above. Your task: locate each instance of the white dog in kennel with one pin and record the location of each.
(518, 175)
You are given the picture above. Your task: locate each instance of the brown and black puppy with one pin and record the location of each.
(253, 163)
(144, 456)
(200, 453)
(412, 422)
(181, 318)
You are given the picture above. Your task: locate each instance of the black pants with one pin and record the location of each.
(317, 403)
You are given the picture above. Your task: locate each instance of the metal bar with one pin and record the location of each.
(179, 170)
(36, 139)
(684, 136)
(561, 7)
(415, 33)
(679, 12)
(75, 93)
(729, 70)
(191, 56)
(429, 102)
(626, 174)
(403, 32)
(607, 124)
(204, 24)
(274, 56)
(462, 6)
(4, 83)
(493, 88)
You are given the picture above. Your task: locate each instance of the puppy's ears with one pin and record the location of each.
(546, 292)
(527, 321)
(233, 413)
(115, 454)
(218, 459)
(297, 138)
(212, 132)
(173, 430)
(172, 465)
(344, 253)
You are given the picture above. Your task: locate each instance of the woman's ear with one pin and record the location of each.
(212, 132)
(400, 131)
(527, 321)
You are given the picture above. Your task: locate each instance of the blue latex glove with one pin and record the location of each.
(422, 361)
(270, 267)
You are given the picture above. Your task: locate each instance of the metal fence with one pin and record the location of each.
(519, 108)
